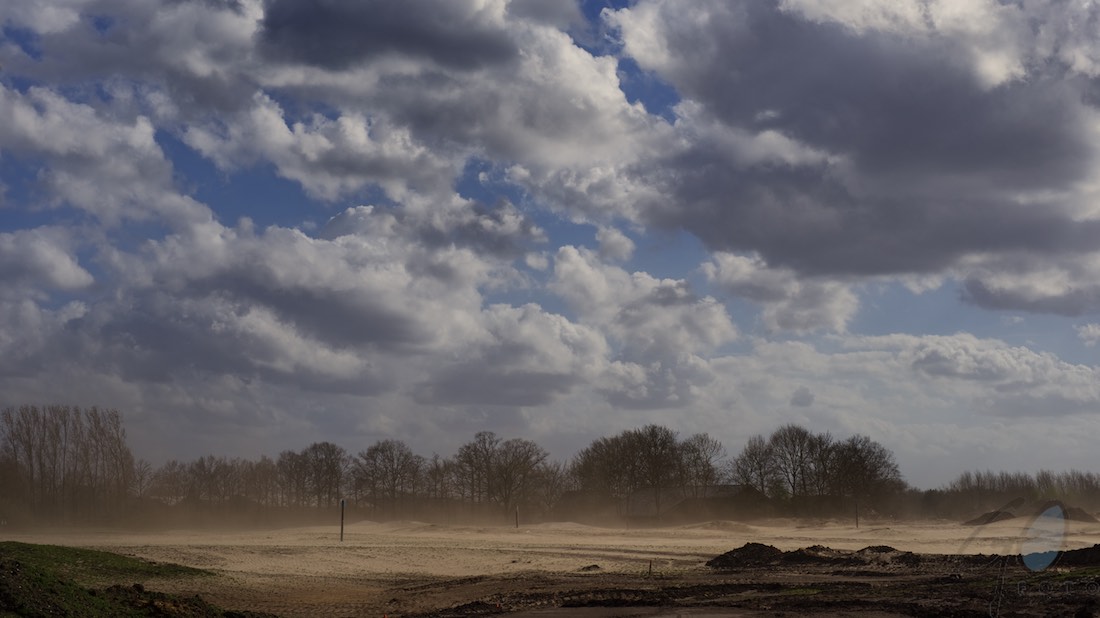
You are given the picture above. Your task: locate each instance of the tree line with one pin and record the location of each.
(978, 491)
(64, 463)
(67, 462)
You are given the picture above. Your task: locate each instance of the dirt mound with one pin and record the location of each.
(1087, 556)
(877, 549)
(724, 525)
(749, 554)
(989, 518)
(755, 554)
(1077, 513)
(818, 554)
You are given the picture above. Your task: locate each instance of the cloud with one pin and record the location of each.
(816, 149)
(1011, 381)
(40, 17)
(365, 307)
(791, 303)
(26, 349)
(1089, 334)
(804, 162)
(330, 158)
(614, 245)
(526, 357)
(333, 34)
(190, 56)
(1061, 285)
(559, 13)
(112, 168)
(802, 397)
(661, 331)
(1001, 42)
(33, 261)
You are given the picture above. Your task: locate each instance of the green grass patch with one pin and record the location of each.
(89, 565)
(49, 580)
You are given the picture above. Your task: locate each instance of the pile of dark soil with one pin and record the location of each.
(818, 554)
(886, 555)
(1076, 513)
(756, 554)
(1087, 556)
(989, 518)
(749, 554)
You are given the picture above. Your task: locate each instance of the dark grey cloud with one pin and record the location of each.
(337, 34)
(560, 13)
(337, 317)
(907, 161)
(802, 397)
(1079, 298)
(166, 339)
(891, 105)
(198, 52)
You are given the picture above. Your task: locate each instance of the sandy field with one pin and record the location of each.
(408, 568)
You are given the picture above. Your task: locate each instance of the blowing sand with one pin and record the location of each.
(408, 567)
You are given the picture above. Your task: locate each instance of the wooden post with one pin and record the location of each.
(342, 503)
(517, 518)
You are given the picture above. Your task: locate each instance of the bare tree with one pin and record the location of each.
(657, 450)
(755, 466)
(552, 480)
(142, 478)
(791, 446)
(388, 470)
(474, 467)
(293, 478)
(820, 465)
(865, 470)
(169, 483)
(261, 481)
(515, 464)
(72, 462)
(608, 467)
(325, 464)
(700, 456)
(437, 478)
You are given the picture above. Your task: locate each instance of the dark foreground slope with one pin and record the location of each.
(48, 580)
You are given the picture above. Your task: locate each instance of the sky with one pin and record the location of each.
(250, 225)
